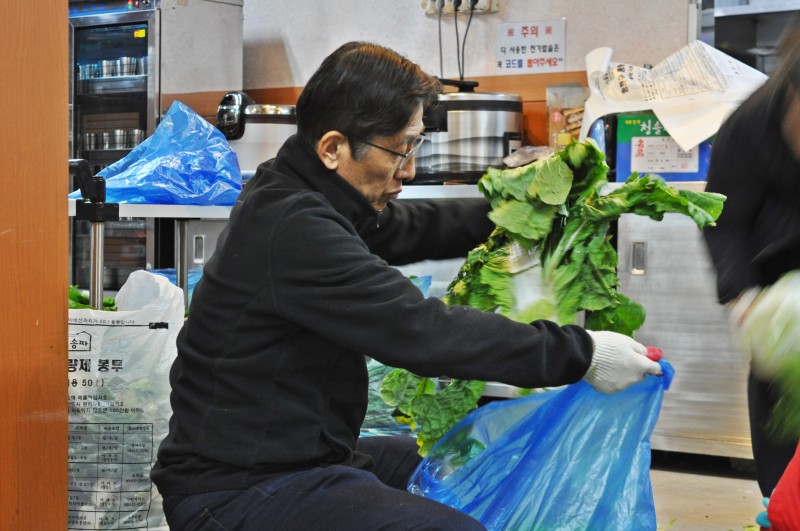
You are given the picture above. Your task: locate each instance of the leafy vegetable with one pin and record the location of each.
(770, 335)
(551, 239)
(78, 299)
(428, 412)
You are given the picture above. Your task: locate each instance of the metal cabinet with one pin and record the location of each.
(748, 30)
(665, 267)
(130, 60)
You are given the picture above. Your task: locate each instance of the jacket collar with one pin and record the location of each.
(300, 161)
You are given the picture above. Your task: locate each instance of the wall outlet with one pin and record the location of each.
(483, 6)
(447, 7)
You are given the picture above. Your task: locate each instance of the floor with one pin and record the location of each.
(704, 493)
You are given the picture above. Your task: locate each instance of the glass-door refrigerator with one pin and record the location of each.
(115, 106)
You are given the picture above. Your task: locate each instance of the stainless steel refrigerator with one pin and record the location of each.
(126, 57)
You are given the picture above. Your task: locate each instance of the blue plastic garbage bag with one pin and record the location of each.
(186, 161)
(565, 459)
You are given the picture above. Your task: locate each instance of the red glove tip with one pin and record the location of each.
(654, 353)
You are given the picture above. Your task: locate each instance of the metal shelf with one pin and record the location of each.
(439, 191)
(127, 210)
(757, 8)
(112, 85)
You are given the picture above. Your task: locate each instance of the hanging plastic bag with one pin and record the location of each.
(119, 408)
(193, 276)
(186, 161)
(565, 459)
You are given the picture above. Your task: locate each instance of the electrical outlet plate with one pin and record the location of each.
(447, 7)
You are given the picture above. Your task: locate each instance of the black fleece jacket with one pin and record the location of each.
(757, 236)
(271, 375)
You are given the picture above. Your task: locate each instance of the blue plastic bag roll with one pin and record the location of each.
(565, 459)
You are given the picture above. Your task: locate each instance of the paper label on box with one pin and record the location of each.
(661, 154)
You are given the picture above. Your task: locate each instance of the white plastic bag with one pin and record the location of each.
(119, 408)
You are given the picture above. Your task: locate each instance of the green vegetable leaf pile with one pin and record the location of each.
(551, 243)
(78, 299)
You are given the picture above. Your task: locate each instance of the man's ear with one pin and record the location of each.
(331, 147)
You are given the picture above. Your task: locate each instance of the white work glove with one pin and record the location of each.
(618, 362)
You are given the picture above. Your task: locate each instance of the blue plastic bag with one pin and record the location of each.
(565, 459)
(186, 161)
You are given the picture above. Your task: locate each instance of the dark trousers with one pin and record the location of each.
(770, 455)
(330, 498)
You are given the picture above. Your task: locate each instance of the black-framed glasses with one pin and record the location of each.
(412, 149)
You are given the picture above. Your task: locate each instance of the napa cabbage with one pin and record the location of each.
(551, 257)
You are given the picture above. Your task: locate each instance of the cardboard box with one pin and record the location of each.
(564, 113)
(644, 146)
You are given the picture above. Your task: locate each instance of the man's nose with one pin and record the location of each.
(407, 172)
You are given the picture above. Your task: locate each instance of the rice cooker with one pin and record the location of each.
(466, 133)
(254, 131)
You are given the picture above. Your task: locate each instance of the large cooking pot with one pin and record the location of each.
(254, 131)
(466, 133)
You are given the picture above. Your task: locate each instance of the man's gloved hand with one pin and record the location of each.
(618, 362)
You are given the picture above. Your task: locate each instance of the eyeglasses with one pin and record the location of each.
(412, 149)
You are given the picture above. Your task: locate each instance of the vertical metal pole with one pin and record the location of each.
(694, 19)
(182, 264)
(96, 273)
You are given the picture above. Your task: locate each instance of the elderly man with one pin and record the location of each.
(270, 385)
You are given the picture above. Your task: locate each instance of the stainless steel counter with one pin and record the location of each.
(705, 411)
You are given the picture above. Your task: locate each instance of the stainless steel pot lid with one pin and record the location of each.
(271, 110)
(481, 101)
(270, 114)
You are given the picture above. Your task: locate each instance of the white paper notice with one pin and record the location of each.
(691, 92)
(531, 47)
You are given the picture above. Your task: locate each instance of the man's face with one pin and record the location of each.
(377, 174)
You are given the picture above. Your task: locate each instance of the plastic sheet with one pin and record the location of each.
(186, 161)
(565, 459)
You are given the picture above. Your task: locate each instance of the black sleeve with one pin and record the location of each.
(324, 279)
(736, 172)
(413, 230)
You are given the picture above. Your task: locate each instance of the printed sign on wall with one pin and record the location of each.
(531, 47)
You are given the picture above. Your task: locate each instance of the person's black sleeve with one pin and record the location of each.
(413, 230)
(324, 279)
(735, 172)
